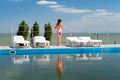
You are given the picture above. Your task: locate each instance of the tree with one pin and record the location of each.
(34, 31)
(48, 31)
(23, 29)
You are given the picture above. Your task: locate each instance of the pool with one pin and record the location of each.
(67, 50)
(75, 67)
(78, 63)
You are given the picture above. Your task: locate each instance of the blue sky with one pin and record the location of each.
(77, 15)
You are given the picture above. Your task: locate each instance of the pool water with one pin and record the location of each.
(74, 67)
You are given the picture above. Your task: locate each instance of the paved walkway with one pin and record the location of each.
(3, 47)
(63, 46)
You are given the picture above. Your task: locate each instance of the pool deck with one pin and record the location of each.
(64, 46)
(4, 47)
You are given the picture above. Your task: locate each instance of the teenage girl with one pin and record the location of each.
(59, 28)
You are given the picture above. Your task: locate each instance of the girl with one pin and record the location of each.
(59, 28)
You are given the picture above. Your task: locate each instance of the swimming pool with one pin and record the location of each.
(85, 63)
(34, 67)
(67, 50)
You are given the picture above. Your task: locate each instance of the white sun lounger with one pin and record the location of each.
(40, 39)
(82, 41)
(91, 42)
(71, 40)
(96, 43)
(17, 39)
(74, 41)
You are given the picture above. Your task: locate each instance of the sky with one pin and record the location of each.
(77, 16)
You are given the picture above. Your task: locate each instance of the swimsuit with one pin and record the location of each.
(59, 30)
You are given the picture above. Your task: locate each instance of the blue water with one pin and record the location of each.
(75, 67)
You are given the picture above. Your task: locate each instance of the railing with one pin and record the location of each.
(111, 38)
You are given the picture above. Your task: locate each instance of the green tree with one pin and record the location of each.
(23, 29)
(48, 31)
(34, 31)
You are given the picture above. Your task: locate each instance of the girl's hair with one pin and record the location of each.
(59, 21)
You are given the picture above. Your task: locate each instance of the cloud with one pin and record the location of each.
(55, 6)
(92, 20)
(16, 0)
(96, 21)
(104, 17)
(100, 10)
(61, 8)
(100, 13)
(101, 18)
(71, 10)
(44, 2)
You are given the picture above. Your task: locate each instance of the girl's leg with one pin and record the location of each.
(59, 39)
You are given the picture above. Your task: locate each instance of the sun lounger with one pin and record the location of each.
(96, 43)
(83, 41)
(19, 40)
(71, 40)
(91, 42)
(40, 39)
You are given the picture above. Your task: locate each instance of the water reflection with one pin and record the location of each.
(59, 67)
(46, 63)
(45, 57)
(85, 56)
(42, 59)
(21, 59)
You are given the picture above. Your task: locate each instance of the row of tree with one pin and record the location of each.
(23, 30)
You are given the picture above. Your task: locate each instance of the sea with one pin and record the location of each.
(74, 66)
